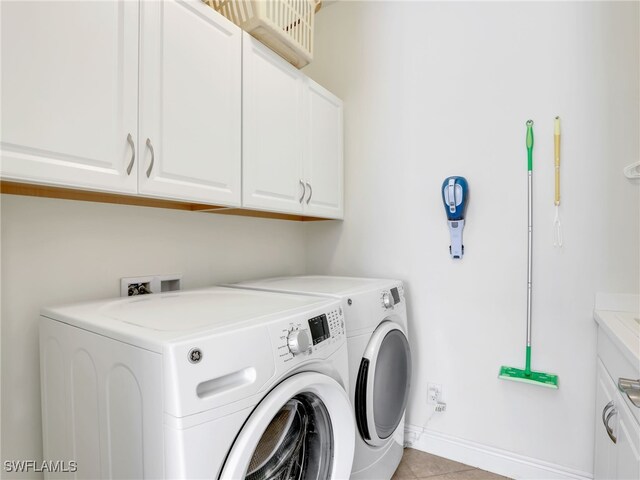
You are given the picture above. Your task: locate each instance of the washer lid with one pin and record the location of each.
(199, 309)
(152, 320)
(319, 284)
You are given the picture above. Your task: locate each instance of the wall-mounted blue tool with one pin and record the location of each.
(455, 193)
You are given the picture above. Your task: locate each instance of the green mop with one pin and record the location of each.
(527, 375)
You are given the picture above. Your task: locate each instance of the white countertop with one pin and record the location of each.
(619, 318)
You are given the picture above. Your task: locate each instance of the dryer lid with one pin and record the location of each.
(319, 284)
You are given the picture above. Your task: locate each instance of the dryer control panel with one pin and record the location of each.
(314, 335)
(392, 297)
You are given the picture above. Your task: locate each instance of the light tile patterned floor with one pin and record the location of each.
(416, 464)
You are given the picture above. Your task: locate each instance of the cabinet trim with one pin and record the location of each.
(47, 191)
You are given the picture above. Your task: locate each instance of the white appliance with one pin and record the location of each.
(379, 361)
(216, 383)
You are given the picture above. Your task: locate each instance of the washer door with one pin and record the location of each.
(382, 386)
(303, 429)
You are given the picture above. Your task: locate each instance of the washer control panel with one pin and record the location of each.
(392, 297)
(314, 335)
(298, 341)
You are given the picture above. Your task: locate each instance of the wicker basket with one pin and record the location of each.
(285, 26)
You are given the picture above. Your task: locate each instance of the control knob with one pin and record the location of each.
(387, 301)
(298, 341)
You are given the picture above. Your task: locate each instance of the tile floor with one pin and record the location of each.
(416, 465)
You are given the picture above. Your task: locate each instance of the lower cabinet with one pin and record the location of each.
(617, 433)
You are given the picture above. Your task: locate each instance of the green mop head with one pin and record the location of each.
(536, 378)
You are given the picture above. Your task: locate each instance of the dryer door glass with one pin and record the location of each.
(382, 385)
(391, 383)
(297, 443)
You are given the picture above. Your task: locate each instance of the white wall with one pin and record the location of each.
(59, 251)
(434, 89)
(430, 90)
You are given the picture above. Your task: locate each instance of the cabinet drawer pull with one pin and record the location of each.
(304, 191)
(605, 420)
(631, 388)
(153, 155)
(133, 153)
(310, 193)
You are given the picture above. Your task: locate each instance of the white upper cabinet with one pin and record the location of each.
(323, 168)
(165, 99)
(190, 103)
(273, 130)
(70, 93)
(292, 138)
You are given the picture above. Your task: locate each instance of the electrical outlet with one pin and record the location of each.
(434, 393)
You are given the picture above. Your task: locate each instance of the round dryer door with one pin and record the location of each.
(382, 386)
(302, 429)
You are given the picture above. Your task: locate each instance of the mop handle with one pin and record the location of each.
(530, 144)
(529, 240)
(556, 143)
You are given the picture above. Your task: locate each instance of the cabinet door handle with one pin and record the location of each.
(133, 153)
(304, 191)
(605, 409)
(310, 193)
(153, 156)
(631, 388)
(605, 420)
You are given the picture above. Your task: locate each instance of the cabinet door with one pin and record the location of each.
(190, 103)
(628, 444)
(273, 130)
(69, 93)
(323, 169)
(604, 455)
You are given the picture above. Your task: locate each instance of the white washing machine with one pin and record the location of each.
(379, 361)
(217, 383)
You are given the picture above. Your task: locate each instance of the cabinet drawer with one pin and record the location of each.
(617, 366)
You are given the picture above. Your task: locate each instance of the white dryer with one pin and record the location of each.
(379, 361)
(218, 383)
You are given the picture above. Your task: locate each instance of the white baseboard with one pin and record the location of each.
(487, 458)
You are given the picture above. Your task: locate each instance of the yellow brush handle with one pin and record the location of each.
(556, 137)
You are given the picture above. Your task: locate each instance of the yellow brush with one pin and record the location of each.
(556, 221)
